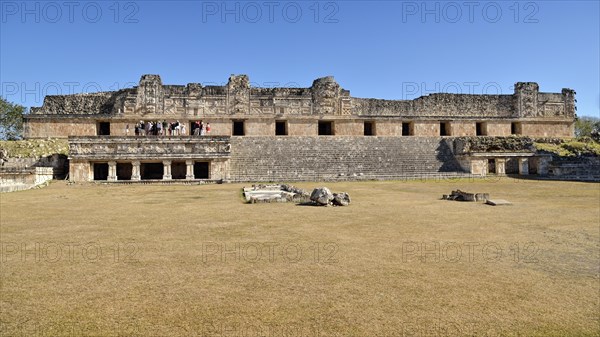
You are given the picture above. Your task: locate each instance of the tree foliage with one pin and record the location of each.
(587, 127)
(11, 120)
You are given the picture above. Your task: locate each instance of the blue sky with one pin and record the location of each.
(381, 49)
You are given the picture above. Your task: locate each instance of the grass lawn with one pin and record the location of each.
(109, 260)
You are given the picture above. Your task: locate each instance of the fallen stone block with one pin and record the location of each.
(321, 196)
(459, 195)
(498, 202)
(341, 199)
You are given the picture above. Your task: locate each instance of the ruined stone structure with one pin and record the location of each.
(280, 133)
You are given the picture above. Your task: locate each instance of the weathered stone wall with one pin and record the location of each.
(59, 127)
(460, 129)
(80, 170)
(147, 148)
(23, 178)
(558, 129)
(348, 128)
(497, 128)
(219, 169)
(542, 114)
(259, 127)
(388, 127)
(330, 158)
(427, 128)
(84, 104)
(46, 127)
(438, 105)
(302, 127)
(582, 168)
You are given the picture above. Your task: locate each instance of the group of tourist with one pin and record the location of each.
(200, 129)
(164, 128)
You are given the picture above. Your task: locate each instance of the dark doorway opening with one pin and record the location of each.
(369, 128)
(444, 129)
(124, 171)
(406, 129)
(512, 166)
(281, 128)
(325, 128)
(103, 129)
(515, 128)
(491, 166)
(480, 129)
(178, 170)
(100, 171)
(201, 170)
(151, 171)
(238, 128)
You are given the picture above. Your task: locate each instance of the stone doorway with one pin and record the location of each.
(150, 171)
(491, 164)
(178, 170)
(326, 128)
(103, 129)
(124, 171)
(202, 170)
(100, 171)
(512, 166)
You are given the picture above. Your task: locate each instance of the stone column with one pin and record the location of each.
(112, 171)
(135, 171)
(189, 173)
(478, 167)
(543, 166)
(167, 170)
(523, 166)
(500, 164)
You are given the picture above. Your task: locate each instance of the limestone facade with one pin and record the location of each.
(143, 158)
(526, 112)
(257, 133)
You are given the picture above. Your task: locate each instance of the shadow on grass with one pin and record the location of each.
(550, 178)
(309, 203)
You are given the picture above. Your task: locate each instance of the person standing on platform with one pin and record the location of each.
(159, 128)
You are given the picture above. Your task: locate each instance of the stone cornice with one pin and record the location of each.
(148, 148)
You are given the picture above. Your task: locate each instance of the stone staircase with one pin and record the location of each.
(58, 163)
(578, 169)
(341, 158)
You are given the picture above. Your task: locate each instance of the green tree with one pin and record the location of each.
(11, 120)
(584, 126)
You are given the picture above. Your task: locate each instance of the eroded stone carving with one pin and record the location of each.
(150, 95)
(324, 97)
(141, 148)
(325, 94)
(239, 94)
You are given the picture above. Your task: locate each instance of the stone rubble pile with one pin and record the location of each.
(320, 196)
(459, 195)
(274, 193)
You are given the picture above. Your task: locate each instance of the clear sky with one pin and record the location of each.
(380, 49)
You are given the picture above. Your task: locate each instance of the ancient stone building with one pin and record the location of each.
(319, 132)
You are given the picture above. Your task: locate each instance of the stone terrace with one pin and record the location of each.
(340, 158)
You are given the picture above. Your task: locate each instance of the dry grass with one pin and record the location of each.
(365, 280)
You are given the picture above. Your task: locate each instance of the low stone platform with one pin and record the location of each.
(498, 202)
(459, 195)
(18, 179)
(273, 193)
